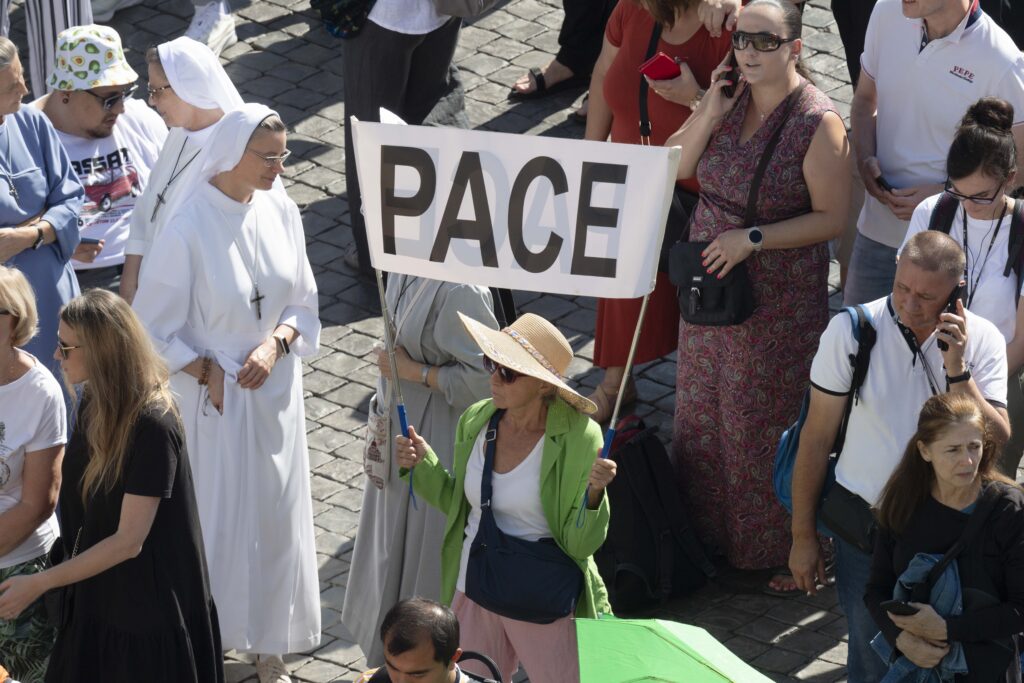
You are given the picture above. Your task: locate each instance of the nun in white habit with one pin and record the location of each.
(191, 91)
(231, 304)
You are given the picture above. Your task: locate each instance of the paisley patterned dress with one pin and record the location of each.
(739, 387)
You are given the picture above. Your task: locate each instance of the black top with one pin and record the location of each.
(994, 563)
(149, 618)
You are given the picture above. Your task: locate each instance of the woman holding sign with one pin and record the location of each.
(635, 32)
(524, 460)
(740, 385)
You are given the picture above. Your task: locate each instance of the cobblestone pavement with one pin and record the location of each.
(286, 60)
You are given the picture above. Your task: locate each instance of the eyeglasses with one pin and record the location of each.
(762, 42)
(271, 161)
(64, 349)
(507, 375)
(153, 93)
(110, 101)
(974, 199)
(4, 311)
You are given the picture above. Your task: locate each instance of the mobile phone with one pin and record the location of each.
(660, 67)
(89, 240)
(884, 184)
(734, 76)
(899, 608)
(951, 308)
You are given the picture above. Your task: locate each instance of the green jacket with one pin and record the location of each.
(571, 442)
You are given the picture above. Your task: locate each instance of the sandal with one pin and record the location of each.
(580, 115)
(605, 401)
(542, 89)
(782, 573)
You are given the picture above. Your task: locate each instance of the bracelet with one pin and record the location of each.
(692, 104)
(425, 376)
(959, 378)
(204, 372)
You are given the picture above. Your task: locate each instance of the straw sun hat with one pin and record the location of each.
(531, 346)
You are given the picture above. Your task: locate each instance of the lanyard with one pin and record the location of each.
(973, 286)
(915, 350)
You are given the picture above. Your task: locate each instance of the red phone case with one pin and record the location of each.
(660, 67)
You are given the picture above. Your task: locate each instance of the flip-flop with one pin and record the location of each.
(542, 89)
(780, 571)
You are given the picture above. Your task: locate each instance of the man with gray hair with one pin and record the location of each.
(908, 365)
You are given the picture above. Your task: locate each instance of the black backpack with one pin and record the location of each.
(651, 552)
(944, 214)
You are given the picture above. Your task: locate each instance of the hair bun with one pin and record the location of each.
(990, 112)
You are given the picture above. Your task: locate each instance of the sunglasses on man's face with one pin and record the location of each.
(762, 42)
(64, 349)
(507, 375)
(110, 101)
(974, 199)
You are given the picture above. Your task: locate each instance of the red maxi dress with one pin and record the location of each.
(629, 29)
(739, 387)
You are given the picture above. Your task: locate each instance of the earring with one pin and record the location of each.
(65, 99)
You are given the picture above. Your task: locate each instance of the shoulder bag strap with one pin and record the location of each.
(987, 502)
(1013, 259)
(944, 213)
(645, 118)
(490, 442)
(750, 218)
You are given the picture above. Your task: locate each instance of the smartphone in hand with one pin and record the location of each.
(951, 308)
(884, 184)
(900, 608)
(734, 76)
(660, 67)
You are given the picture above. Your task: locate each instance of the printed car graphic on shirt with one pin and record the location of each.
(114, 183)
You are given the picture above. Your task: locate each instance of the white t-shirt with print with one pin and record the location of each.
(896, 386)
(991, 295)
(32, 418)
(114, 170)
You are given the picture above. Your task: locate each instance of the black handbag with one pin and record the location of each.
(57, 601)
(849, 517)
(343, 18)
(704, 299)
(677, 225)
(532, 581)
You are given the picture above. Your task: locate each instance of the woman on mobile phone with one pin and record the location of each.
(636, 32)
(948, 476)
(738, 386)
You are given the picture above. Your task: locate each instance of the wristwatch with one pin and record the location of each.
(959, 378)
(756, 238)
(39, 239)
(425, 375)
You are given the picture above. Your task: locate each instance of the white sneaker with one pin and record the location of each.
(212, 26)
(271, 669)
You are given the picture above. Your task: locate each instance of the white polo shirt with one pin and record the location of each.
(896, 386)
(923, 94)
(990, 295)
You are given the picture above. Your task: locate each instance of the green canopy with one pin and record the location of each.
(640, 650)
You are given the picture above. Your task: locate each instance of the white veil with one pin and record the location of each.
(196, 75)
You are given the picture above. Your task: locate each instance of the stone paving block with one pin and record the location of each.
(341, 470)
(766, 630)
(820, 670)
(824, 41)
(320, 670)
(349, 497)
(806, 642)
(330, 543)
(800, 614)
(745, 648)
(837, 654)
(338, 520)
(778, 661)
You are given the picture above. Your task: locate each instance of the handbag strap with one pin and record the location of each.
(750, 217)
(989, 496)
(645, 117)
(490, 443)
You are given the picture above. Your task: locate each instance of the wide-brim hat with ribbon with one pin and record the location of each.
(88, 57)
(533, 347)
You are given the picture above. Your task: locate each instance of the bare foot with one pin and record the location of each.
(554, 72)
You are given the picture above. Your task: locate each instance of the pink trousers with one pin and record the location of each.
(547, 651)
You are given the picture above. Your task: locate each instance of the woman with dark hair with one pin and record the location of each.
(977, 211)
(947, 471)
(140, 607)
(739, 386)
(615, 115)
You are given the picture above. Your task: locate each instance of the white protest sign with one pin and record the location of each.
(515, 211)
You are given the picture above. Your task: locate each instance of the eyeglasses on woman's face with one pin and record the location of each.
(153, 93)
(108, 102)
(507, 375)
(64, 349)
(762, 42)
(270, 160)
(982, 200)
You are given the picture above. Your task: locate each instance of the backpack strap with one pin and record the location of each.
(865, 335)
(944, 213)
(1015, 247)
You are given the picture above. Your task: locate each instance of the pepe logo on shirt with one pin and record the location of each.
(962, 73)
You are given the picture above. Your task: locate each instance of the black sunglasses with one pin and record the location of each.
(110, 101)
(64, 349)
(975, 199)
(507, 375)
(762, 42)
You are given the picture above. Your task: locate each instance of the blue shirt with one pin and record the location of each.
(33, 159)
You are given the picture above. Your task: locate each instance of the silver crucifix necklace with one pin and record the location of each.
(254, 272)
(9, 161)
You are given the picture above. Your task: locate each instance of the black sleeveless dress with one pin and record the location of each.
(150, 618)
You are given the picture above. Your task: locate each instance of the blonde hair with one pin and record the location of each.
(17, 298)
(126, 376)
